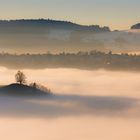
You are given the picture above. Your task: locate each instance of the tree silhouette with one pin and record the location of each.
(20, 77)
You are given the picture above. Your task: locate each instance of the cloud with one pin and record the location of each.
(69, 105)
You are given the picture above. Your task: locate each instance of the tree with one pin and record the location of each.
(20, 77)
(34, 85)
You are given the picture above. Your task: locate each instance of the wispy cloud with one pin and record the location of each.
(65, 106)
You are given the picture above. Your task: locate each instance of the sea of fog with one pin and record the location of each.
(86, 105)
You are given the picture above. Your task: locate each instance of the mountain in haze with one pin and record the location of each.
(27, 25)
(40, 35)
(136, 26)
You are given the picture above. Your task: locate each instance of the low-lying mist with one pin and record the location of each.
(76, 92)
(59, 40)
(80, 82)
(85, 105)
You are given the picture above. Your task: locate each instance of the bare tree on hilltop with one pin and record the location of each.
(20, 77)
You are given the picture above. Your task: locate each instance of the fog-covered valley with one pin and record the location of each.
(105, 102)
(39, 36)
(92, 72)
(59, 40)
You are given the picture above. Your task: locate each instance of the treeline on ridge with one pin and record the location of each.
(81, 60)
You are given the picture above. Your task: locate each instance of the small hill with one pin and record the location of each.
(136, 26)
(22, 90)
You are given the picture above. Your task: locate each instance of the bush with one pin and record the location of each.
(40, 87)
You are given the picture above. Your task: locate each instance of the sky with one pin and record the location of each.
(117, 14)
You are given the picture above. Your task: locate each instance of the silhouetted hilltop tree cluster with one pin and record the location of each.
(20, 78)
(40, 87)
(39, 24)
(81, 60)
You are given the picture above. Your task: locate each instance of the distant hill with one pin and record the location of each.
(45, 35)
(136, 26)
(26, 25)
(21, 90)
